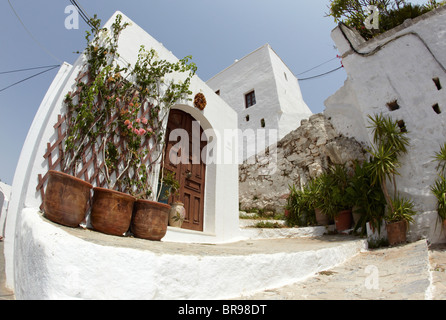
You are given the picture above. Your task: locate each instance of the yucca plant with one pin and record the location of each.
(439, 190)
(439, 187)
(368, 197)
(389, 143)
(440, 157)
(403, 210)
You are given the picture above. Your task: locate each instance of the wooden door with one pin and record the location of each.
(189, 169)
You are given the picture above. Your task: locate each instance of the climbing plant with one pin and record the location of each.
(117, 112)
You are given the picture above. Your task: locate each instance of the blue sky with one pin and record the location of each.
(214, 32)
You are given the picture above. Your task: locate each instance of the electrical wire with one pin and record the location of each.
(27, 69)
(322, 74)
(32, 36)
(82, 13)
(317, 66)
(33, 76)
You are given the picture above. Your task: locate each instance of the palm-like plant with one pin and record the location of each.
(389, 143)
(439, 190)
(439, 187)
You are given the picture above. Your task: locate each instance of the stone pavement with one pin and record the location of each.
(406, 272)
(411, 271)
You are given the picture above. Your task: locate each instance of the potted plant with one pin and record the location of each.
(333, 198)
(300, 207)
(367, 198)
(119, 113)
(177, 213)
(439, 187)
(66, 199)
(398, 219)
(389, 143)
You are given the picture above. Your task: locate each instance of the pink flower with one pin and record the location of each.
(144, 120)
(131, 104)
(138, 120)
(136, 131)
(150, 130)
(142, 132)
(127, 122)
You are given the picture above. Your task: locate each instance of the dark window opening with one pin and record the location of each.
(436, 108)
(250, 99)
(247, 118)
(262, 123)
(393, 105)
(286, 78)
(437, 83)
(402, 126)
(217, 92)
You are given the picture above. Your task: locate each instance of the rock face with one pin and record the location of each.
(298, 157)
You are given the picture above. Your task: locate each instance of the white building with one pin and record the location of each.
(38, 253)
(401, 73)
(266, 96)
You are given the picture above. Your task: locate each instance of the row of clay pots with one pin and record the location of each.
(112, 212)
(396, 231)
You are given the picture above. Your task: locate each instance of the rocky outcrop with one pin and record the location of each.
(298, 157)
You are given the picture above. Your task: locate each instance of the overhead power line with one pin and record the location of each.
(322, 74)
(319, 65)
(28, 69)
(32, 36)
(33, 76)
(82, 13)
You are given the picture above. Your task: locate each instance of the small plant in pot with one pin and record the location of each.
(177, 213)
(300, 206)
(398, 220)
(333, 198)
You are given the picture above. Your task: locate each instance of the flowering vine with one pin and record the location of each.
(116, 114)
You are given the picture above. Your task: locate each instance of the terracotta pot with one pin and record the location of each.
(177, 214)
(150, 220)
(396, 232)
(111, 212)
(343, 220)
(321, 218)
(66, 199)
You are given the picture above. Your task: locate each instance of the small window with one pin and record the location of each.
(393, 105)
(286, 78)
(402, 126)
(436, 108)
(437, 83)
(247, 118)
(250, 99)
(217, 92)
(262, 123)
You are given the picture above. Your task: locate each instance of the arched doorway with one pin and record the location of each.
(183, 157)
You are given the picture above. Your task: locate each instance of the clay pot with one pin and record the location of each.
(396, 232)
(111, 212)
(177, 214)
(66, 199)
(343, 220)
(321, 218)
(150, 220)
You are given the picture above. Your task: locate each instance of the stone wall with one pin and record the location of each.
(298, 157)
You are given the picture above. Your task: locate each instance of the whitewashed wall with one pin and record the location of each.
(399, 65)
(278, 97)
(221, 194)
